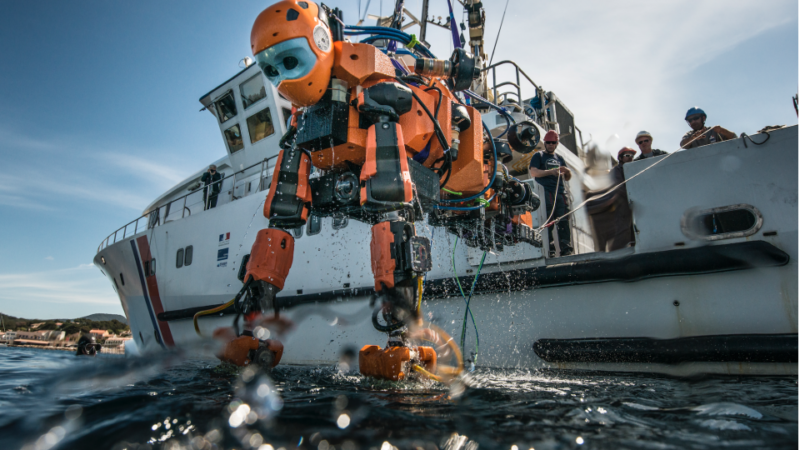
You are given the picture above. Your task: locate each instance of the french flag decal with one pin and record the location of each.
(224, 238)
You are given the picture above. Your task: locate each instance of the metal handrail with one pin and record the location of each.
(264, 166)
(539, 91)
(518, 70)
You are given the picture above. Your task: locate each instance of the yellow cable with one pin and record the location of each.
(209, 311)
(419, 369)
(419, 297)
(443, 336)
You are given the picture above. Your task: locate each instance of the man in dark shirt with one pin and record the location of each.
(211, 177)
(550, 170)
(701, 134)
(645, 141)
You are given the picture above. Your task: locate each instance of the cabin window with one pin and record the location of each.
(252, 90)
(722, 223)
(314, 225)
(179, 258)
(297, 232)
(226, 107)
(260, 125)
(122, 279)
(150, 268)
(233, 136)
(339, 222)
(287, 113)
(187, 256)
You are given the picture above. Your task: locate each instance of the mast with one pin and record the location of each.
(476, 19)
(423, 24)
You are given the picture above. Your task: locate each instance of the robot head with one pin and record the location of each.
(292, 44)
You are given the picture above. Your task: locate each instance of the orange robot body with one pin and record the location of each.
(417, 127)
(394, 363)
(384, 142)
(383, 264)
(468, 174)
(524, 219)
(354, 150)
(444, 117)
(356, 64)
(271, 257)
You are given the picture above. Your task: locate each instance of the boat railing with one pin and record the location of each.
(168, 212)
(518, 85)
(545, 117)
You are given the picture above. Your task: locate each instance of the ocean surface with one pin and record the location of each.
(53, 399)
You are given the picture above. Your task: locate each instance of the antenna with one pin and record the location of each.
(245, 62)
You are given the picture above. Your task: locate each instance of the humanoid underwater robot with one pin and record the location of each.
(391, 143)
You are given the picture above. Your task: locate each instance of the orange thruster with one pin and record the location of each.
(395, 363)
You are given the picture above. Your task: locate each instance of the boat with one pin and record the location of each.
(709, 286)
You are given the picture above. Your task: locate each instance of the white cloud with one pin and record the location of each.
(619, 65)
(49, 258)
(57, 293)
(162, 175)
(34, 190)
(91, 173)
(9, 139)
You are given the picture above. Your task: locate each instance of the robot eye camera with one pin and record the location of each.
(459, 69)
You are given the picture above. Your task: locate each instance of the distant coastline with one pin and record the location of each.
(43, 347)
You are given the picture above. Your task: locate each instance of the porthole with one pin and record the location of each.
(179, 258)
(187, 256)
(297, 232)
(726, 222)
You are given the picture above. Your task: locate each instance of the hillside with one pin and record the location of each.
(105, 318)
(114, 323)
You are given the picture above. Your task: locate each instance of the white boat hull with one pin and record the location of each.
(753, 301)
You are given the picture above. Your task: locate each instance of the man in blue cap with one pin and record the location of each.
(700, 134)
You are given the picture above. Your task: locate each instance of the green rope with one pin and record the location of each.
(466, 301)
(453, 262)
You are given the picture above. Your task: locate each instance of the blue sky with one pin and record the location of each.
(101, 115)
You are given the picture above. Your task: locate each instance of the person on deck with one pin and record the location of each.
(211, 177)
(610, 211)
(700, 134)
(550, 170)
(645, 141)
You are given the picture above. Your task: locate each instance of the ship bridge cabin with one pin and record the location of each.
(251, 115)
(252, 118)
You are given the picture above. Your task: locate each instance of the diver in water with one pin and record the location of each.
(87, 346)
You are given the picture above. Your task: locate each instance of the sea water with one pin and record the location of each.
(54, 399)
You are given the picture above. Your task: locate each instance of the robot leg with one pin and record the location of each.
(286, 207)
(399, 258)
(271, 256)
(398, 255)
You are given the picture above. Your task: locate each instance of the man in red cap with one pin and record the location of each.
(550, 170)
(611, 214)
